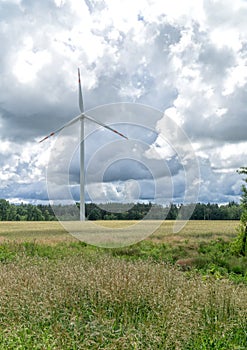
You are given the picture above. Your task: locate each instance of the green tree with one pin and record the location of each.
(21, 212)
(95, 214)
(173, 212)
(110, 217)
(240, 244)
(5, 210)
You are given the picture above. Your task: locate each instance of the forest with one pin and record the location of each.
(118, 211)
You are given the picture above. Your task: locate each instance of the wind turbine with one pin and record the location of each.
(81, 118)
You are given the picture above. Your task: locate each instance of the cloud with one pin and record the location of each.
(187, 60)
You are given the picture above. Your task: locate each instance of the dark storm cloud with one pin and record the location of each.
(31, 192)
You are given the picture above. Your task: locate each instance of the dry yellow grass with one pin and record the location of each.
(41, 232)
(196, 230)
(54, 232)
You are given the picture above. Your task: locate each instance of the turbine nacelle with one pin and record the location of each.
(82, 116)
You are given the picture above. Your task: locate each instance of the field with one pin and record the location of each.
(171, 291)
(52, 232)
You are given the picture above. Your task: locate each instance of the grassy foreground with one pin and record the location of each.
(58, 293)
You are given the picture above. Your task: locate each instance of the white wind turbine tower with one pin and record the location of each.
(81, 118)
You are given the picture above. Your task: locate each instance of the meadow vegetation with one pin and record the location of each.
(60, 293)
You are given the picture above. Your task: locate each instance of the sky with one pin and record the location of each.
(170, 75)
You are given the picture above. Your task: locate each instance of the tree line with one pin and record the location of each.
(119, 211)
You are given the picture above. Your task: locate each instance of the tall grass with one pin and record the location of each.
(88, 299)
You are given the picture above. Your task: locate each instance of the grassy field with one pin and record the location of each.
(52, 232)
(60, 293)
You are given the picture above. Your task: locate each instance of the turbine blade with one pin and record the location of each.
(105, 126)
(80, 92)
(71, 122)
